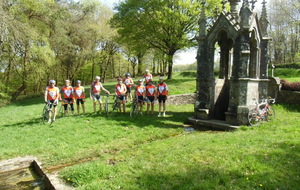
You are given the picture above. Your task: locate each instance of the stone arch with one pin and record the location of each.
(225, 41)
(254, 61)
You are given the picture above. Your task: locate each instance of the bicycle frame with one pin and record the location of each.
(262, 112)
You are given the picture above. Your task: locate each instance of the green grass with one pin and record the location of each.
(265, 157)
(74, 138)
(155, 153)
(292, 75)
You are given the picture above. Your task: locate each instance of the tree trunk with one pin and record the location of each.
(170, 64)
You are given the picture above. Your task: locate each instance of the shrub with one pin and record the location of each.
(288, 65)
(291, 86)
(188, 74)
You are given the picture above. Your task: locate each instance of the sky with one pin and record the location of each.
(182, 57)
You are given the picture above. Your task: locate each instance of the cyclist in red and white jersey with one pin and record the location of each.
(67, 92)
(52, 95)
(95, 90)
(162, 92)
(151, 96)
(120, 91)
(140, 93)
(79, 96)
(147, 77)
(128, 82)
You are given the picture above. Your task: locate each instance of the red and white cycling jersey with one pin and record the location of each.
(79, 92)
(150, 90)
(67, 91)
(162, 89)
(147, 77)
(120, 89)
(52, 92)
(128, 81)
(96, 87)
(140, 90)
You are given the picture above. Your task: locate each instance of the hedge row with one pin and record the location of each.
(291, 86)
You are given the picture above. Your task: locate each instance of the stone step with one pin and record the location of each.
(212, 124)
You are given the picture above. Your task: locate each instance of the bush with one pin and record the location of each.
(291, 86)
(189, 74)
(288, 66)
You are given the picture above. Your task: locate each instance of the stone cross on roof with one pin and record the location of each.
(223, 4)
(253, 3)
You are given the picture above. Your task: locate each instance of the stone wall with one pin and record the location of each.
(282, 96)
(181, 99)
(288, 97)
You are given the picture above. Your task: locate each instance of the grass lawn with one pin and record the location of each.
(292, 75)
(148, 152)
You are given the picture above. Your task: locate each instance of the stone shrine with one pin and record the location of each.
(240, 40)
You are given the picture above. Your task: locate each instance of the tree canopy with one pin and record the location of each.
(167, 26)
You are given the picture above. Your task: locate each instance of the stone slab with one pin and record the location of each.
(211, 124)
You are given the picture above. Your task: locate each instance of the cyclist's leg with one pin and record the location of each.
(65, 107)
(148, 107)
(49, 112)
(55, 110)
(119, 104)
(124, 103)
(72, 107)
(152, 107)
(83, 106)
(164, 105)
(100, 105)
(94, 102)
(77, 106)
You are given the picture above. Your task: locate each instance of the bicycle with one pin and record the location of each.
(134, 112)
(114, 105)
(262, 112)
(61, 111)
(47, 112)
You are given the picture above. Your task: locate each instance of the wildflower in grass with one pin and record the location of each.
(69, 179)
(260, 185)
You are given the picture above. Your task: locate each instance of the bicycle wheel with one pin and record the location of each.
(253, 117)
(270, 114)
(46, 116)
(134, 112)
(61, 111)
(115, 107)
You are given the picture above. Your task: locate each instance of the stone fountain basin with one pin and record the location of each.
(25, 173)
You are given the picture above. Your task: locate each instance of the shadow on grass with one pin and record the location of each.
(25, 123)
(282, 172)
(291, 108)
(172, 119)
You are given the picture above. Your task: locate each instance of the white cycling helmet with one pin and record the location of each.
(52, 81)
(97, 77)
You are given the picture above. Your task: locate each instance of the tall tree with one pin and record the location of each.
(166, 25)
(285, 30)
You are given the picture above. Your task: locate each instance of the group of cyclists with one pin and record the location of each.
(145, 91)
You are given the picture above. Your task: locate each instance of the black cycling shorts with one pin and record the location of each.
(68, 101)
(150, 99)
(80, 100)
(162, 98)
(140, 99)
(121, 98)
(128, 90)
(96, 97)
(52, 103)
